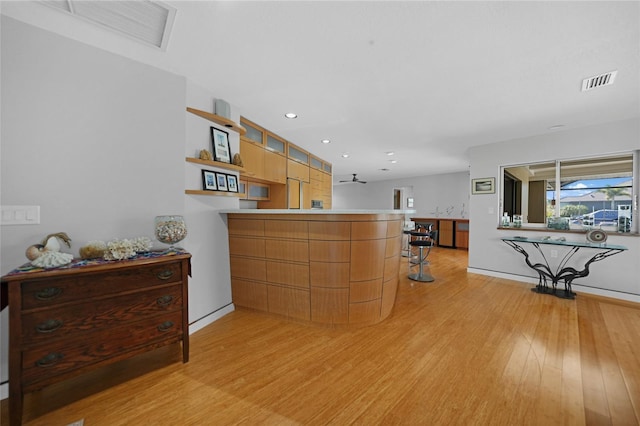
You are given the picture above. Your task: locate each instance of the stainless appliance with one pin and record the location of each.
(316, 204)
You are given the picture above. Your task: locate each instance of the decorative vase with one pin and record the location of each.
(170, 229)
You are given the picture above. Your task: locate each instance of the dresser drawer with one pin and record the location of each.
(66, 355)
(47, 292)
(58, 322)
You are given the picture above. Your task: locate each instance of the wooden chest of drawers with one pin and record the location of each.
(67, 321)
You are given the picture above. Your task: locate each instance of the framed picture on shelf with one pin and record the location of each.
(483, 186)
(232, 183)
(221, 147)
(209, 180)
(221, 181)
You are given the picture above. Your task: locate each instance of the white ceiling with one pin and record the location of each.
(426, 80)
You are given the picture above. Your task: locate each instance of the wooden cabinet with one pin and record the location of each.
(258, 191)
(325, 269)
(462, 234)
(67, 321)
(297, 170)
(446, 233)
(453, 233)
(252, 158)
(275, 167)
(272, 160)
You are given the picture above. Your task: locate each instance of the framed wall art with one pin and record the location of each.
(483, 186)
(221, 147)
(232, 183)
(209, 181)
(221, 181)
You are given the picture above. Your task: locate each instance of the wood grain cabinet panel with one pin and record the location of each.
(365, 291)
(391, 267)
(252, 269)
(296, 229)
(367, 259)
(330, 231)
(446, 233)
(394, 228)
(329, 251)
(249, 294)
(389, 291)
(330, 305)
(393, 247)
(323, 274)
(246, 246)
(289, 302)
(293, 250)
(368, 230)
(247, 227)
(364, 312)
(292, 274)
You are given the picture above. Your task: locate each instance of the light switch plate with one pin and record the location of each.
(20, 215)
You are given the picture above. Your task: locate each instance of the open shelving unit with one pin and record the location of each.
(218, 120)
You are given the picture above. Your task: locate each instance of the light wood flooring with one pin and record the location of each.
(464, 350)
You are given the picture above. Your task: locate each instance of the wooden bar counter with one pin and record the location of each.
(324, 267)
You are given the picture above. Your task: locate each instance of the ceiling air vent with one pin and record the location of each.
(598, 81)
(143, 20)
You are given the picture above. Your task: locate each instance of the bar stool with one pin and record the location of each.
(423, 245)
(421, 232)
(406, 252)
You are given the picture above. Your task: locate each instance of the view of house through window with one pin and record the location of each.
(584, 193)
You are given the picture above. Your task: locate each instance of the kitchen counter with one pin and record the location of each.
(326, 267)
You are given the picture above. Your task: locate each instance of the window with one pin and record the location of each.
(589, 192)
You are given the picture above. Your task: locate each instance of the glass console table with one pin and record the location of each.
(562, 272)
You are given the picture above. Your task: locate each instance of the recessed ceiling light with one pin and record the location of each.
(390, 153)
(325, 141)
(556, 127)
(291, 115)
(345, 155)
(393, 161)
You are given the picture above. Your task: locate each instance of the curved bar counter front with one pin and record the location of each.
(324, 267)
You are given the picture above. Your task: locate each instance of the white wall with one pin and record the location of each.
(444, 195)
(210, 288)
(616, 276)
(99, 142)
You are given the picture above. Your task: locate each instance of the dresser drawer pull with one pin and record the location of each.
(165, 326)
(49, 326)
(49, 360)
(48, 293)
(165, 274)
(164, 301)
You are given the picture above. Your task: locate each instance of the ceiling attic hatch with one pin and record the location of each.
(147, 21)
(598, 81)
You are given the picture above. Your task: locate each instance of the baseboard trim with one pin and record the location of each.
(201, 323)
(629, 297)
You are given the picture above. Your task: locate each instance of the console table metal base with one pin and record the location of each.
(562, 294)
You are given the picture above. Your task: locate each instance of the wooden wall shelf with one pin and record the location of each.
(219, 164)
(214, 193)
(219, 120)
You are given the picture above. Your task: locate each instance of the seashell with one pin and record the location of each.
(52, 244)
(52, 259)
(35, 251)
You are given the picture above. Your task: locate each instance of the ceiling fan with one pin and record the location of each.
(355, 179)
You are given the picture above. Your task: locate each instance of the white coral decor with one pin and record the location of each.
(52, 259)
(125, 248)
